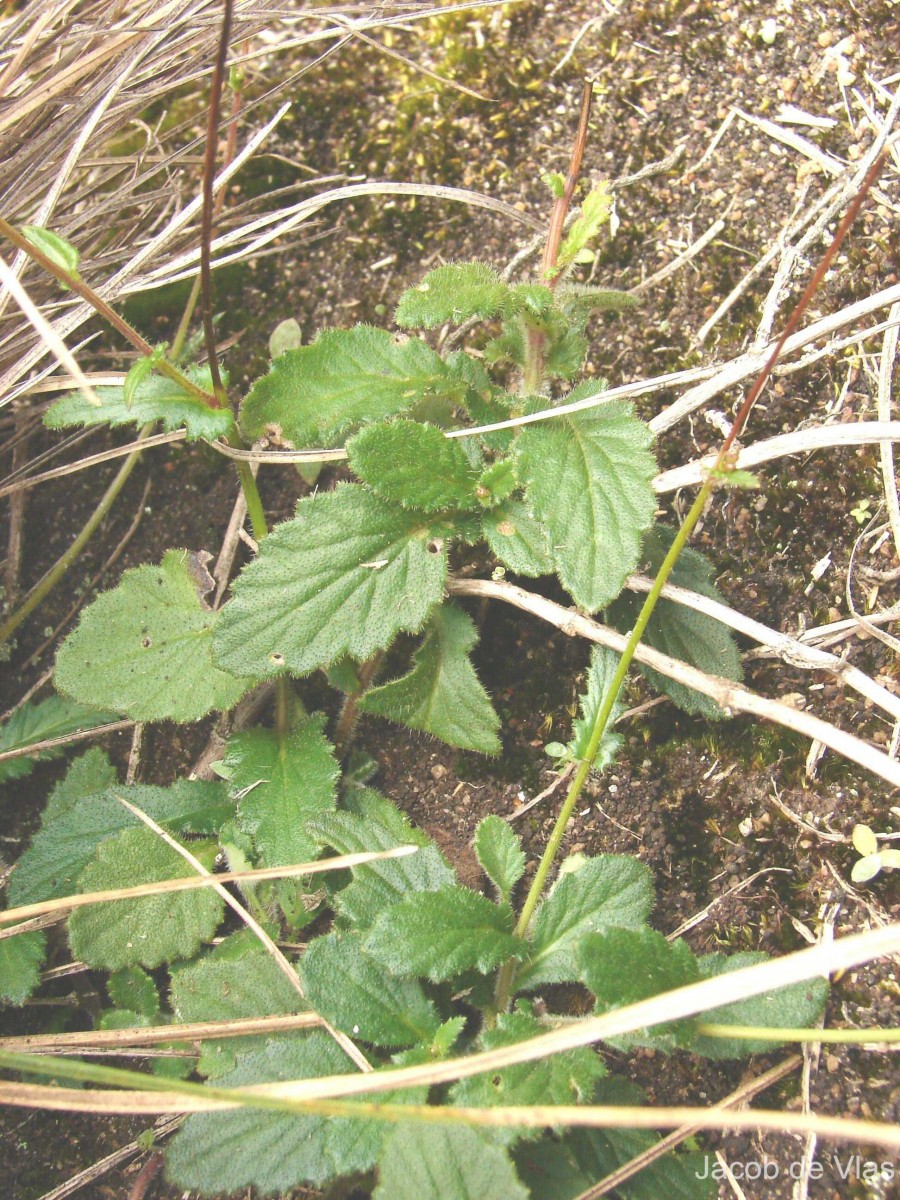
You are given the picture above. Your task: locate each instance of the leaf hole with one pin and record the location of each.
(276, 658)
(146, 643)
(435, 545)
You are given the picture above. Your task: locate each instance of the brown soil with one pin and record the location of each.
(692, 800)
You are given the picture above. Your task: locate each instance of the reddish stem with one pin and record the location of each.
(802, 304)
(561, 207)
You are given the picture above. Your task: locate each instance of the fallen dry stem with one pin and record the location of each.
(653, 1153)
(802, 441)
(777, 643)
(152, 1035)
(856, 1131)
(349, 1047)
(730, 696)
(825, 959)
(192, 882)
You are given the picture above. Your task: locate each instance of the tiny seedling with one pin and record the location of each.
(873, 860)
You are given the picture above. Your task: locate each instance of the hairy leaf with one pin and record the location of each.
(421, 1162)
(21, 958)
(282, 784)
(565, 1078)
(799, 1006)
(351, 990)
(599, 299)
(60, 252)
(64, 845)
(147, 931)
(534, 300)
(344, 577)
(517, 539)
(440, 934)
(571, 1165)
(344, 379)
(678, 631)
(500, 854)
(156, 398)
(452, 293)
(442, 694)
(589, 479)
(274, 1152)
(610, 890)
(89, 774)
(604, 664)
(566, 350)
(378, 885)
(145, 648)
(239, 978)
(32, 723)
(132, 988)
(595, 210)
(623, 966)
(414, 465)
(497, 483)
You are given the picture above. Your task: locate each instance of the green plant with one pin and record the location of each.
(402, 958)
(872, 860)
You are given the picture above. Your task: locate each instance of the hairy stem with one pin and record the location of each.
(533, 371)
(252, 496)
(346, 723)
(282, 706)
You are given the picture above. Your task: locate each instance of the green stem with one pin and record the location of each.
(505, 979)
(43, 588)
(580, 777)
(282, 706)
(185, 323)
(533, 368)
(346, 723)
(252, 496)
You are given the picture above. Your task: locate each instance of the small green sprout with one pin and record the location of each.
(862, 512)
(873, 860)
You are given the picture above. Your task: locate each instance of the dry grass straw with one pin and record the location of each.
(733, 697)
(191, 883)
(323, 1095)
(72, 81)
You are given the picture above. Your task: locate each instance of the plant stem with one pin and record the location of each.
(561, 207)
(580, 777)
(346, 724)
(534, 338)
(533, 370)
(282, 706)
(185, 322)
(109, 314)
(252, 496)
(56, 572)
(505, 979)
